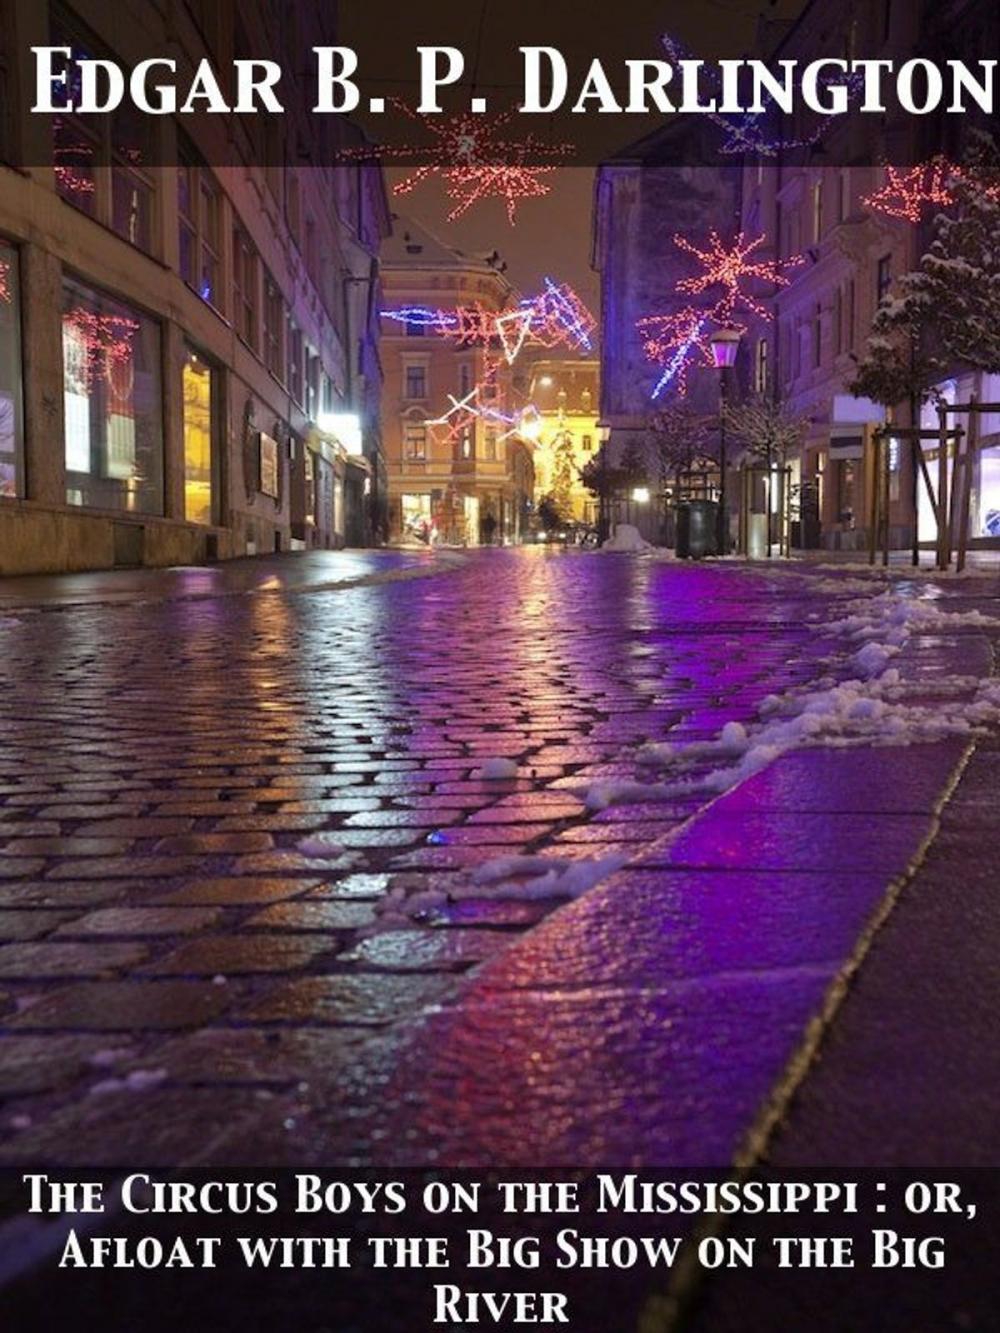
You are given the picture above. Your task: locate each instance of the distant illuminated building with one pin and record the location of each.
(566, 394)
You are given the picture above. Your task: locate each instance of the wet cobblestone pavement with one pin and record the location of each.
(211, 784)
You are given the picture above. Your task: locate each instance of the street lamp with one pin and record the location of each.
(725, 344)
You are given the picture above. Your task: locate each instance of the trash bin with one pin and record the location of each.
(696, 529)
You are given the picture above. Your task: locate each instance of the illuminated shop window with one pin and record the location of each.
(112, 400)
(11, 427)
(200, 434)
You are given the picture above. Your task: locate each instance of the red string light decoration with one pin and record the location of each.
(475, 162)
(6, 294)
(672, 340)
(106, 342)
(729, 268)
(907, 191)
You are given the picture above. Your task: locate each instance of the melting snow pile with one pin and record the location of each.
(627, 538)
(508, 877)
(876, 706)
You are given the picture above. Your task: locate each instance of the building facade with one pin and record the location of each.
(189, 366)
(839, 259)
(851, 256)
(455, 475)
(645, 196)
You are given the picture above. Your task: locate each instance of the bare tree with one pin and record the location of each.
(679, 440)
(767, 428)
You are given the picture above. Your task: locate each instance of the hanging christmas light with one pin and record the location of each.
(747, 133)
(6, 294)
(555, 317)
(512, 329)
(729, 267)
(674, 340)
(475, 161)
(907, 191)
(671, 341)
(560, 317)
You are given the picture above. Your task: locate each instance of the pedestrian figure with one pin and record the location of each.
(489, 528)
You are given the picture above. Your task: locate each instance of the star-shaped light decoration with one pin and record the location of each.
(729, 267)
(673, 340)
(475, 161)
(908, 191)
(747, 133)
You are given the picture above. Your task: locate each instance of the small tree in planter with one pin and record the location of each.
(769, 431)
(679, 442)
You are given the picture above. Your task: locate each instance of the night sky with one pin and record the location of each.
(552, 235)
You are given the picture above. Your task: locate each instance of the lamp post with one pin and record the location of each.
(725, 344)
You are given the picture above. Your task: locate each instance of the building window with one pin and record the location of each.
(11, 422)
(851, 314)
(124, 197)
(416, 381)
(274, 327)
(132, 197)
(112, 397)
(199, 208)
(587, 444)
(466, 446)
(294, 379)
(201, 432)
(760, 366)
(838, 321)
(846, 480)
(310, 500)
(883, 278)
(817, 212)
(464, 380)
(843, 195)
(312, 384)
(817, 337)
(490, 446)
(414, 329)
(415, 440)
(245, 298)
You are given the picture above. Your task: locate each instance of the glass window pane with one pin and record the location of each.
(132, 204)
(112, 398)
(11, 429)
(200, 414)
(74, 159)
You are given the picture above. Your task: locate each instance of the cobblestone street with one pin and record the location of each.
(220, 787)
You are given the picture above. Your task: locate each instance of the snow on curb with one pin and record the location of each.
(875, 706)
